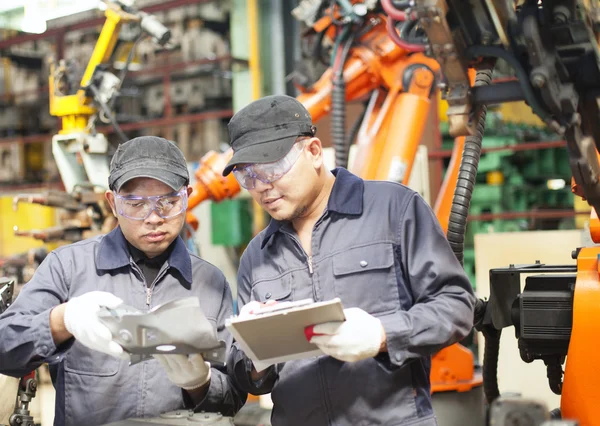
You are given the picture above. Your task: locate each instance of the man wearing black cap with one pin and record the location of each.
(375, 245)
(142, 263)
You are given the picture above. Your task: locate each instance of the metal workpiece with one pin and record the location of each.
(176, 327)
(179, 418)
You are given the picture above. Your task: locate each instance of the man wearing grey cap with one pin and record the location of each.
(375, 245)
(142, 263)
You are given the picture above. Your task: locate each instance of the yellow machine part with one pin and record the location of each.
(29, 216)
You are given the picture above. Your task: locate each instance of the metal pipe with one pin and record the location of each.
(278, 48)
(258, 215)
(254, 56)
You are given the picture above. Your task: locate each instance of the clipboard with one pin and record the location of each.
(276, 333)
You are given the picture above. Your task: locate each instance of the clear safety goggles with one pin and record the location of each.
(267, 172)
(137, 207)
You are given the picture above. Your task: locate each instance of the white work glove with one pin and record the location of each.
(82, 322)
(359, 337)
(253, 307)
(187, 372)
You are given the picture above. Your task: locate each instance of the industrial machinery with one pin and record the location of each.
(28, 384)
(80, 152)
(553, 48)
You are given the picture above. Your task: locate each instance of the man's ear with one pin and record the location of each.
(190, 189)
(110, 197)
(314, 147)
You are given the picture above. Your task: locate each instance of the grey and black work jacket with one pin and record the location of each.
(93, 388)
(379, 247)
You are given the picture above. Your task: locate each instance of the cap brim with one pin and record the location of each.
(266, 152)
(169, 178)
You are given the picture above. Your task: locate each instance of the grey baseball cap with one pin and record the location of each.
(151, 157)
(265, 130)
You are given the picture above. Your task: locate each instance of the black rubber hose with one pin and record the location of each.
(489, 370)
(108, 114)
(554, 373)
(491, 351)
(338, 109)
(457, 223)
(338, 122)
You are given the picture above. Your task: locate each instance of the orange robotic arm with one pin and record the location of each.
(211, 184)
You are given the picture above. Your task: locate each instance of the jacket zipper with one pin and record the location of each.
(148, 295)
(310, 265)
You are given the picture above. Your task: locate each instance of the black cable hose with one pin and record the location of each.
(461, 201)
(338, 121)
(108, 113)
(556, 414)
(457, 225)
(491, 349)
(554, 373)
(338, 108)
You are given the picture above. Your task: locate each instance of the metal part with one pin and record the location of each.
(502, 13)
(161, 330)
(49, 198)
(27, 390)
(307, 11)
(6, 293)
(548, 73)
(505, 287)
(497, 93)
(108, 86)
(160, 33)
(55, 233)
(448, 49)
(179, 418)
(81, 159)
(512, 411)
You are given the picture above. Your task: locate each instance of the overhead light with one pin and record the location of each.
(31, 16)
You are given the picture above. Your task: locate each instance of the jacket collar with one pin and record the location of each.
(113, 254)
(346, 198)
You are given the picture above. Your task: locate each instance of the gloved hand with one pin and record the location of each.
(82, 322)
(357, 338)
(253, 307)
(187, 372)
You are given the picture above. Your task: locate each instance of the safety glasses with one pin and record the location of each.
(268, 172)
(140, 208)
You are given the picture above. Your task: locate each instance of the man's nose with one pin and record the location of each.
(260, 186)
(154, 218)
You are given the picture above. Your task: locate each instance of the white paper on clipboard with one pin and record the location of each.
(277, 335)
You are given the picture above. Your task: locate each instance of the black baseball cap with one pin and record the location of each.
(265, 130)
(151, 157)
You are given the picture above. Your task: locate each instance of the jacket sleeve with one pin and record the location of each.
(442, 312)
(26, 341)
(239, 364)
(224, 395)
